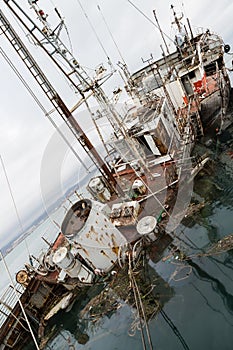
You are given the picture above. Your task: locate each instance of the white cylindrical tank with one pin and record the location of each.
(93, 234)
(63, 258)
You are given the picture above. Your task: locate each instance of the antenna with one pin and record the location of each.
(49, 40)
(110, 33)
(161, 32)
(177, 20)
(96, 35)
(122, 65)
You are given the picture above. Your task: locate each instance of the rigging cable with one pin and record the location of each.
(6, 306)
(174, 328)
(23, 81)
(92, 27)
(139, 306)
(110, 33)
(20, 303)
(52, 3)
(14, 203)
(62, 23)
(152, 22)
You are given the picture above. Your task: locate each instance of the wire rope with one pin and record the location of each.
(110, 33)
(148, 18)
(47, 114)
(93, 28)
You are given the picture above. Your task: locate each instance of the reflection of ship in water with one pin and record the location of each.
(156, 290)
(211, 188)
(118, 295)
(142, 189)
(216, 284)
(141, 289)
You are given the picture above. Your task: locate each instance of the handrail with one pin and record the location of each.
(8, 301)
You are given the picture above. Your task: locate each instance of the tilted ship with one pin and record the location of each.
(175, 101)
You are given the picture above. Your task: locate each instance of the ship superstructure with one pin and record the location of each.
(175, 99)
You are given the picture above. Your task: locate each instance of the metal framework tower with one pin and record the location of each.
(53, 96)
(49, 40)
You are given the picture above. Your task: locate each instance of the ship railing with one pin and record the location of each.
(214, 36)
(200, 30)
(8, 301)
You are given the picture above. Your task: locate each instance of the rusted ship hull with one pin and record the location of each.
(177, 99)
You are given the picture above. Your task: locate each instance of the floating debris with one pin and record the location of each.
(147, 170)
(223, 245)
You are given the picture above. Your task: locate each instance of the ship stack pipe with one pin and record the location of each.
(88, 229)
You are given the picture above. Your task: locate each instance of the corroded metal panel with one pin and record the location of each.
(39, 298)
(96, 238)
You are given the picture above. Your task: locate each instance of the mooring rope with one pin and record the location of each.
(140, 307)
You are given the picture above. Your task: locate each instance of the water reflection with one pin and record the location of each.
(186, 294)
(216, 285)
(154, 290)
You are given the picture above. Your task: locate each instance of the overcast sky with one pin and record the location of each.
(26, 135)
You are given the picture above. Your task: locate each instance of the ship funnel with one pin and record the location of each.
(88, 228)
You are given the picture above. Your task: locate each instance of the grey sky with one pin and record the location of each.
(25, 132)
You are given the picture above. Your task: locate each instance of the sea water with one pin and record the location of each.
(32, 245)
(198, 308)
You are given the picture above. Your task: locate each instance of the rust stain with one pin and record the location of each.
(93, 231)
(115, 250)
(85, 251)
(113, 240)
(103, 252)
(88, 234)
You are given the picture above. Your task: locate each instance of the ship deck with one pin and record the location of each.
(160, 180)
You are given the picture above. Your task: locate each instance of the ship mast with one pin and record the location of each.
(177, 20)
(49, 40)
(54, 97)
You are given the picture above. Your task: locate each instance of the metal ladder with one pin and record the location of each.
(53, 45)
(55, 99)
(196, 119)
